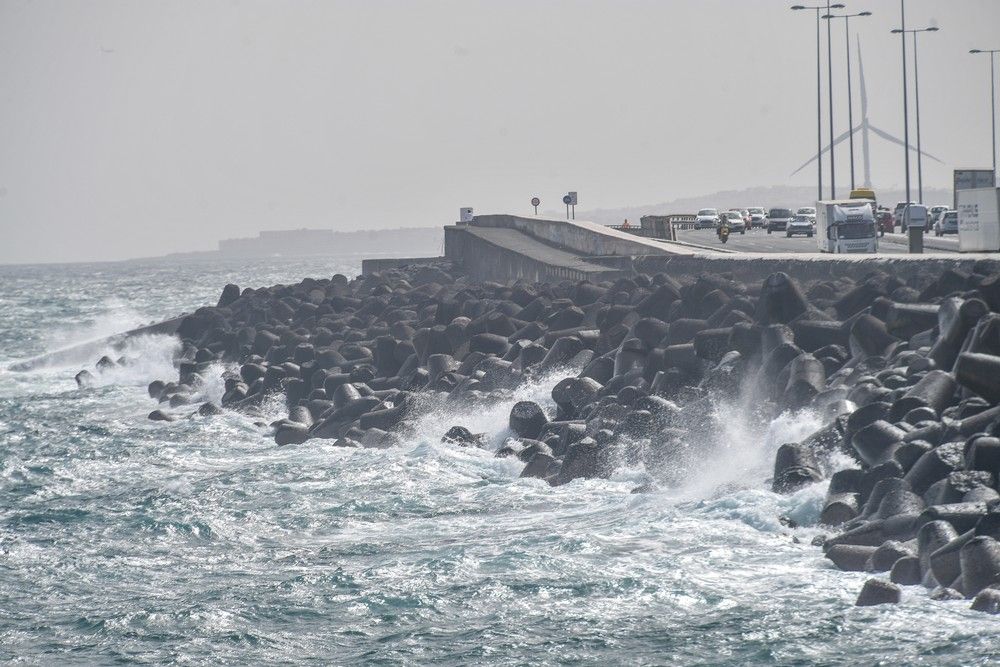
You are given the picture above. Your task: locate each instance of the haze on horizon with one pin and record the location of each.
(131, 129)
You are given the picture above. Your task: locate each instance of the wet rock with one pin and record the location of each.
(850, 557)
(463, 437)
(906, 571)
(987, 600)
(878, 591)
(794, 467)
(209, 409)
(84, 379)
(886, 555)
(980, 564)
(943, 593)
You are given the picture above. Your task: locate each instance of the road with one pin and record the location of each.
(758, 240)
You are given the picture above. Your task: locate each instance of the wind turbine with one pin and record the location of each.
(864, 127)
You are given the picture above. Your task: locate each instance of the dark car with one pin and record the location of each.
(898, 213)
(883, 221)
(778, 218)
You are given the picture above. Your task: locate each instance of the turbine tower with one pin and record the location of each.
(864, 127)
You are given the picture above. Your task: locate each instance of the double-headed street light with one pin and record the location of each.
(993, 106)
(850, 103)
(916, 96)
(819, 101)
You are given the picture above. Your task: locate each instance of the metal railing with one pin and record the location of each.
(659, 226)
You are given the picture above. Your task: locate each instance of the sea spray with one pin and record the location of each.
(202, 541)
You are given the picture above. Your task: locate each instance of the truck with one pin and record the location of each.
(979, 220)
(883, 216)
(846, 226)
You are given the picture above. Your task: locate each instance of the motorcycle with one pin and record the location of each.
(723, 233)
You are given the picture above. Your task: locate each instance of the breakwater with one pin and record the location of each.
(646, 371)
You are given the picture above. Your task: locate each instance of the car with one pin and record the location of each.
(883, 220)
(745, 214)
(777, 219)
(735, 221)
(808, 211)
(758, 216)
(946, 223)
(707, 218)
(897, 214)
(933, 212)
(799, 224)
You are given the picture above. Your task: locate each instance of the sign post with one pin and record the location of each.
(572, 202)
(535, 201)
(915, 216)
(567, 200)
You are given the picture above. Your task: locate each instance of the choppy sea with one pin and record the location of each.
(201, 542)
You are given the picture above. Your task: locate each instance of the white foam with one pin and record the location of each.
(148, 358)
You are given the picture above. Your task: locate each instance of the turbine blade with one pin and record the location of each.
(899, 142)
(836, 141)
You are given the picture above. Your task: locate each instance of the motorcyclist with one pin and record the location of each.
(723, 230)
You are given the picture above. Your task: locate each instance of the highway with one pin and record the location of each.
(758, 240)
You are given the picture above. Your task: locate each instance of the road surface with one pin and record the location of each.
(758, 240)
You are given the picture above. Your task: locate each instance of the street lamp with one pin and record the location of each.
(850, 103)
(993, 106)
(819, 101)
(916, 96)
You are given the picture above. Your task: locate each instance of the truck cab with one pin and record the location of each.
(846, 226)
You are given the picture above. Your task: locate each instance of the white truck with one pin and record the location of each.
(846, 225)
(979, 220)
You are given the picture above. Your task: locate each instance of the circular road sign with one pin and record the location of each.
(535, 201)
(567, 200)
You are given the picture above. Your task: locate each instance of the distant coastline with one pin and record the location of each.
(411, 241)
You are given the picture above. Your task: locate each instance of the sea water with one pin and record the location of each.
(202, 542)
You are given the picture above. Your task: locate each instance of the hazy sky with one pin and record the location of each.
(139, 128)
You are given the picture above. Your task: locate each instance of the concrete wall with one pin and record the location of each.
(484, 259)
(585, 238)
(489, 251)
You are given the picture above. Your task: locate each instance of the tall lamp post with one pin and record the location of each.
(993, 106)
(916, 98)
(819, 101)
(906, 109)
(850, 102)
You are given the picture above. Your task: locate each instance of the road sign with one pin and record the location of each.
(570, 200)
(971, 179)
(535, 201)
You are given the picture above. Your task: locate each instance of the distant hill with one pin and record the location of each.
(406, 242)
(777, 195)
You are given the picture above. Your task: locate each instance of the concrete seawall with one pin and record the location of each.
(508, 247)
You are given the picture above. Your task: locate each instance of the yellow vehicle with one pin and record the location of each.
(865, 193)
(883, 219)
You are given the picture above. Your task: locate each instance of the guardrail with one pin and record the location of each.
(659, 226)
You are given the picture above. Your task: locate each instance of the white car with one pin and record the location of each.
(808, 211)
(707, 218)
(745, 214)
(758, 216)
(799, 224)
(946, 223)
(933, 212)
(735, 221)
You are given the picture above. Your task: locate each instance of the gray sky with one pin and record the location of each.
(140, 128)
